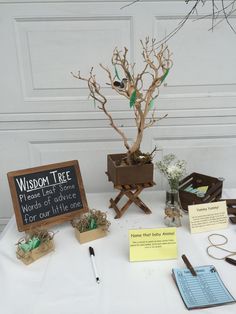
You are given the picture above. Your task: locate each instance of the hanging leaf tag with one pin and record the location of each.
(165, 75)
(133, 98)
(117, 74)
(151, 104)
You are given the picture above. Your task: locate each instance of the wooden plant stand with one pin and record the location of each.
(131, 191)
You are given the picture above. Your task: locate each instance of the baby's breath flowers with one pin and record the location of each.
(173, 169)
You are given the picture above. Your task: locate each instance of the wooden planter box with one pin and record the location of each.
(30, 257)
(213, 193)
(90, 235)
(127, 174)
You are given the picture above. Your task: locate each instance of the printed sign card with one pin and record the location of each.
(152, 244)
(208, 217)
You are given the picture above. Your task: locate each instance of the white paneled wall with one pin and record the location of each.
(46, 117)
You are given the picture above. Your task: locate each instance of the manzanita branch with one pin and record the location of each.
(139, 90)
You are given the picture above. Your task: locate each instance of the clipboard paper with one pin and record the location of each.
(201, 291)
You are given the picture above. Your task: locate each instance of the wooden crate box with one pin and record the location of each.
(127, 174)
(90, 235)
(213, 193)
(35, 254)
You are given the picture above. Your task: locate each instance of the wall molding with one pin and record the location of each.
(43, 32)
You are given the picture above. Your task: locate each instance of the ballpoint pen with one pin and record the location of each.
(92, 256)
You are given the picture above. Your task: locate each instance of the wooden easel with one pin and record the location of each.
(131, 191)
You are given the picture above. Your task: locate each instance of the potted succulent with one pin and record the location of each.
(140, 89)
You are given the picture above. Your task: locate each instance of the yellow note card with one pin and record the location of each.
(203, 189)
(152, 244)
(208, 217)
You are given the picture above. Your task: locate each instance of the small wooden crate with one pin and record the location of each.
(127, 174)
(213, 193)
(32, 256)
(90, 235)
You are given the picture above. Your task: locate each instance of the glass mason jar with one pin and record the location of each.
(172, 209)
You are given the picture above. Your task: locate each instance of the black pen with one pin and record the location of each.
(92, 255)
(189, 266)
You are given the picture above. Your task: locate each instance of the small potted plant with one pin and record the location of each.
(173, 170)
(91, 226)
(141, 90)
(34, 245)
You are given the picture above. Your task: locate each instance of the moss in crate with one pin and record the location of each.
(34, 245)
(92, 220)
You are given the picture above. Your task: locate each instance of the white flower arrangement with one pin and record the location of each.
(173, 169)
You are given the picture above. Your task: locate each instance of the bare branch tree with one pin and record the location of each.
(141, 89)
(95, 93)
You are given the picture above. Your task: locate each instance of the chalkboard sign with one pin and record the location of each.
(47, 195)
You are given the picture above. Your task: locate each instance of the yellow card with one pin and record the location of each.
(152, 244)
(203, 189)
(207, 217)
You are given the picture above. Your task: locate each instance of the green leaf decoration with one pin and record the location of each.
(36, 243)
(92, 224)
(151, 104)
(30, 245)
(129, 76)
(24, 247)
(117, 74)
(165, 75)
(133, 98)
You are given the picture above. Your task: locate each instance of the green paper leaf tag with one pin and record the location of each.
(133, 98)
(92, 224)
(24, 247)
(165, 75)
(35, 243)
(30, 245)
(117, 74)
(151, 104)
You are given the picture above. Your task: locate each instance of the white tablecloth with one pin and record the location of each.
(63, 281)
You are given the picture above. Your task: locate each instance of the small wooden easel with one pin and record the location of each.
(131, 191)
